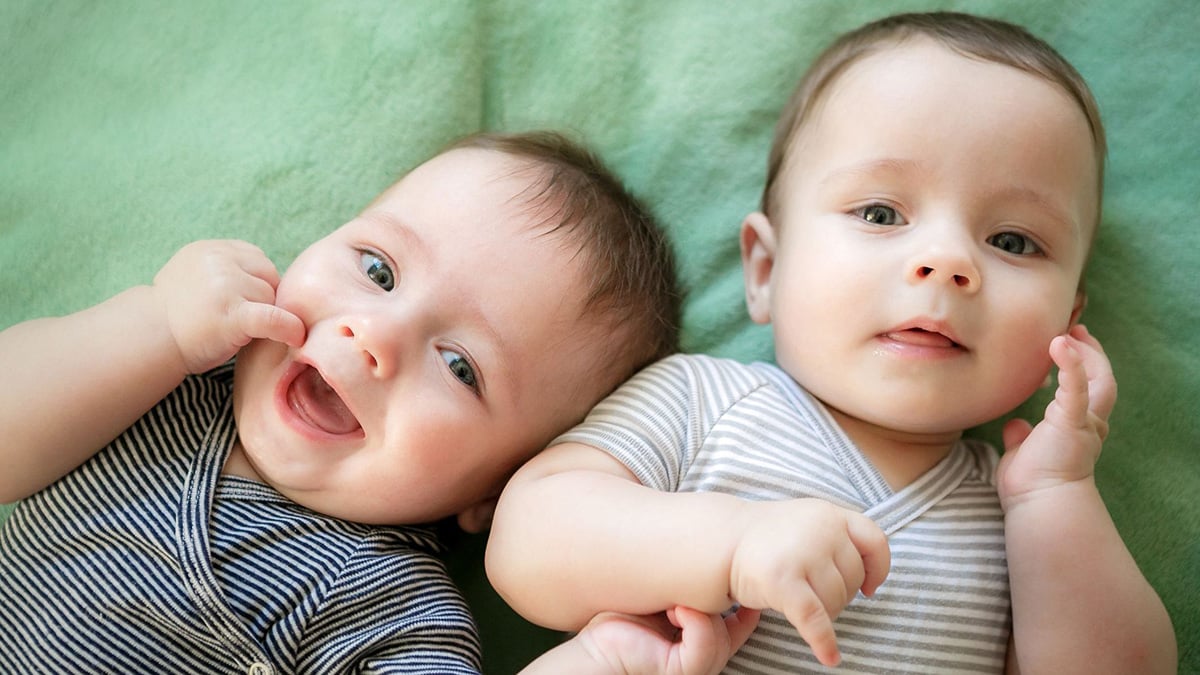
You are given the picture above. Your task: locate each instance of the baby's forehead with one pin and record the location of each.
(873, 62)
(899, 73)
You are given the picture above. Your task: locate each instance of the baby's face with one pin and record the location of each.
(934, 223)
(444, 347)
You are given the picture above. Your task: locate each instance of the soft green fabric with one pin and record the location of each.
(128, 129)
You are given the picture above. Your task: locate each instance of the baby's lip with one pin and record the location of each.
(924, 332)
(316, 401)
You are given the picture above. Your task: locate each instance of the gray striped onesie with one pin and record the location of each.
(693, 423)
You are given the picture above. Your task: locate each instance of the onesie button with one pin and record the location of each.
(259, 669)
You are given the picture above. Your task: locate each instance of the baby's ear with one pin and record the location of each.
(478, 517)
(1080, 304)
(758, 259)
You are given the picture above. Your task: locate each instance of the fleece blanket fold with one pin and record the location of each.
(130, 128)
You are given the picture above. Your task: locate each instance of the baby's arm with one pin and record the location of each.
(1080, 603)
(576, 534)
(692, 643)
(73, 383)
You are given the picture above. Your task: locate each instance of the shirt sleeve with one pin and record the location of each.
(646, 424)
(658, 422)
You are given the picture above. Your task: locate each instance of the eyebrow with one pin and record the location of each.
(1043, 203)
(499, 351)
(869, 167)
(395, 226)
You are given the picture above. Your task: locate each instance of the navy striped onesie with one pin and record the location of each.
(146, 559)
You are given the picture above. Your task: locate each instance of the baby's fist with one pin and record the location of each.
(217, 296)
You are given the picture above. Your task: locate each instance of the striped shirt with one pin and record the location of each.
(694, 423)
(146, 560)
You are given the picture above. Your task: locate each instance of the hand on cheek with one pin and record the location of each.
(216, 297)
(1064, 447)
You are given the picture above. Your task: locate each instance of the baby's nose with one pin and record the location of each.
(946, 266)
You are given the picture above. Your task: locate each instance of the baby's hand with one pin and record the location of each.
(218, 296)
(807, 558)
(1064, 447)
(681, 642)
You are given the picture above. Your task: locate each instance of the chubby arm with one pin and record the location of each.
(73, 383)
(1080, 603)
(576, 534)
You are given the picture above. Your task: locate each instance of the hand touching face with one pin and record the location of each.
(445, 345)
(935, 216)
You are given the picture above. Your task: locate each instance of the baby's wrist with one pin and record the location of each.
(155, 320)
(1049, 498)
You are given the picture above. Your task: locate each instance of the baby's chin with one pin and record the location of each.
(920, 425)
(349, 499)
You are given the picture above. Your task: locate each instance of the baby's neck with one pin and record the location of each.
(238, 465)
(900, 457)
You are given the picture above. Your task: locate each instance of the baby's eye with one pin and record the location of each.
(460, 368)
(878, 214)
(377, 270)
(1017, 244)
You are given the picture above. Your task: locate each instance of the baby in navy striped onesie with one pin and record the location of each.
(182, 512)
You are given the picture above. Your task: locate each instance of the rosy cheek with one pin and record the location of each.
(302, 292)
(1028, 359)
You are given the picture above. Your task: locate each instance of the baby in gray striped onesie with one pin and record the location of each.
(932, 195)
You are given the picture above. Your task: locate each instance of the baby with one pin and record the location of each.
(932, 196)
(184, 512)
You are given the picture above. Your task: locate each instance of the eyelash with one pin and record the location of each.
(1026, 241)
(463, 358)
(378, 262)
(1029, 246)
(861, 214)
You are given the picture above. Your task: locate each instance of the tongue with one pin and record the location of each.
(314, 400)
(922, 338)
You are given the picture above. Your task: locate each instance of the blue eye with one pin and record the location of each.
(1016, 244)
(878, 214)
(377, 270)
(460, 368)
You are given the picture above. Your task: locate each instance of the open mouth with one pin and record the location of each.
(316, 403)
(920, 337)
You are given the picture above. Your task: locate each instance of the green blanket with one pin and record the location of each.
(128, 129)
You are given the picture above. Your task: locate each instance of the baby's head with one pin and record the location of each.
(474, 310)
(972, 36)
(932, 194)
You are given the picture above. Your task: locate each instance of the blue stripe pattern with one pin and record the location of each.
(147, 560)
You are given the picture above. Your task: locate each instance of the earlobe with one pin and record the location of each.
(1077, 309)
(477, 517)
(758, 259)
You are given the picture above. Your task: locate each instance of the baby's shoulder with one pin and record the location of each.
(711, 369)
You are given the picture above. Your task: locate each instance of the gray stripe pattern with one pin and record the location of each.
(697, 423)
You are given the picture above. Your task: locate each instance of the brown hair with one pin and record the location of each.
(973, 36)
(627, 260)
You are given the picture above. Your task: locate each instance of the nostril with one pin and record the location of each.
(960, 280)
(923, 272)
(347, 332)
(371, 360)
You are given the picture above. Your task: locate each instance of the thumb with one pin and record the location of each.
(741, 624)
(1014, 434)
(873, 548)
